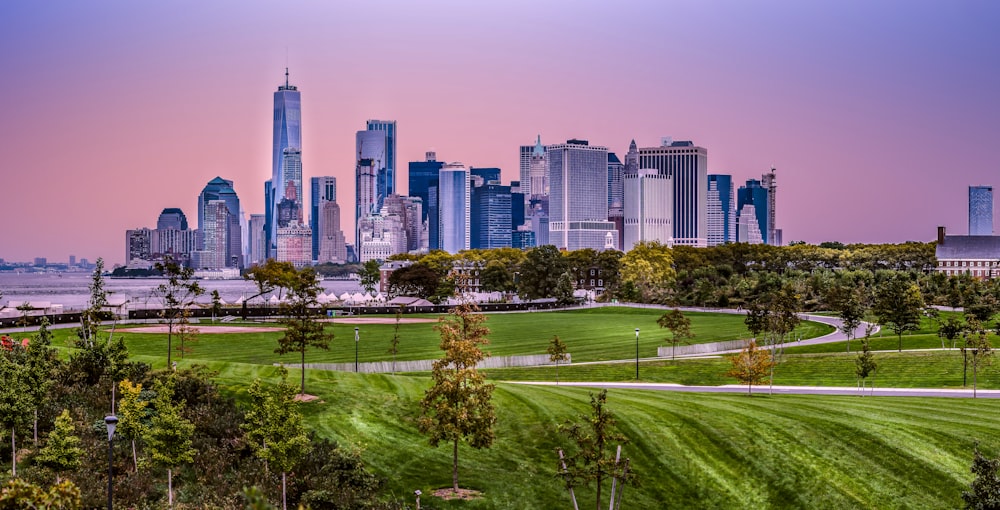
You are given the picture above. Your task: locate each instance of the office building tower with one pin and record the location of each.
(290, 207)
(524, 162)
(295, 245)
(216, 229)
(368, 202)
(980, 210)
(616, 195)
(330, 238)
(172, 217)
(491, 223)
(387, 173)
(578, 197)
(72, 260)
(648, 208)
(454, 204)
(721, 210)
(632, 159)
(487, 175)
(769, 182)
(138, 245)
(256, 240)
(517, 205)
(287, 134)
(686, 164)
(320, 189)
(409, 211)
(424, 175)
(433, 219)
(750, 227)
(219, 189)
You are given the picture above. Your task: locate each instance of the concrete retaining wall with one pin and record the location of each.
(424, 365)
(709, 348)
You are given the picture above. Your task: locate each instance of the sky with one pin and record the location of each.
(876, 115)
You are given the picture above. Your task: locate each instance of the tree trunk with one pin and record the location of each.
(557, 372)
(284, 501)
(170, 488)
(35, 428)
(900, 345)
(13, 454)
(303, 390)
(454, 468)
(599, 476)
(974, 378)
(135, 458)
(170, 336)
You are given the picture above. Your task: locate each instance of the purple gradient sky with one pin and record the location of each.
(877, 115)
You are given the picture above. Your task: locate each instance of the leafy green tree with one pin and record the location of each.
(370, 275)
(267, 277)
(24, 308)
(851, 312)
(40, 361)
(216, 304)
(898, 305)
(394, 343)
(594, 460)
(564, 290)
(459, 404)
(131, 416)
(557, 353)
(19, 494)
(950, 328)
(540, 272)
(865, 364)
(679, 327)
(15, 399)
(751, 366)
(496, 277)
(984, 491)
(274, 428)
(62, 451)
(169, 437)
(302, 329)
(977, 344)
(177, 294)
(649, 268)
(419, 280)
(90, 319)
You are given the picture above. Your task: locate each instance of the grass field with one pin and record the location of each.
(594, 334)
(690, 450)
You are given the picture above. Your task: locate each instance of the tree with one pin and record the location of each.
(459, 404)
(898, 305)
(394, 344)
(131, 415)
(984, 491)
(593, 460)
(751, 366)
(90, 319)
(216, 304)
(496, 277)
(649, 268)
(851, 312)
(302, 329)
(177, 294)
(15, 400)
(267, 277)
(557, 353)
(564, 290)
(865, 365)
(24, 308)
(679, 327)
(186, 333)
(40, 360)
(62, 450)
(419, 280)
(951, 328)
(169, 438)
(19, 494)
(370, 275)
(274, 428)
(978, 344)
(540, 272)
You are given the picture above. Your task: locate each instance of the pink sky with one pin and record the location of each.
(878, 116)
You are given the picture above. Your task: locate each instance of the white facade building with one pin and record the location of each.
(454, 207)
(578, 199)
(648, 207)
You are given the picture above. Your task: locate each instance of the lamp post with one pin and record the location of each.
(636, 354)
(110, 422)
(356, 350)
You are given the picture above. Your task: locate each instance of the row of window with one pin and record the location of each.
(962, 263)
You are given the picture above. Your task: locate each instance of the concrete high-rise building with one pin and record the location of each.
(371, 152)
(172, 217)
(769, 182)
(216, 232)
(332, 246)
(290, 204)
(386, 179)
(616, 195)
(287, 133)
(721, 210)
(295, 245)
(256, 241)
(454, 207)
(219, 189)
(648, 208)
(408, 210)
(138, 245)
(578, 197)
(491, 223)
(980, 210)
(686, 164)
(755, 195)
(321, 189)
(534, 169)
(632, 159)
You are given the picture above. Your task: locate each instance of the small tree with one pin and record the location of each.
(40, 360)
(679, 327)
(951, 328)
(274, 428)
(177, 294)
(751, 366)
(302, 329)
(267, 277)
(15, 400)
(216, 305)
(564, 290)
(851, 312)
(186, 333)
(394, 344)
(557, 353)
(90, 319)
(20, 494)
(978, 345)
(24, 308)
(594, 461)
(62, 451)
(984, 491)
(898, 305)
(169, 438)
(459, 405)
(370, 275)
(131, 413)
(865, 365)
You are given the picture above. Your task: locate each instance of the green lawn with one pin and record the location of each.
(690, 450)
(594, 334)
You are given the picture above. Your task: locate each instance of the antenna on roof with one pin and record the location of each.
(286, 77)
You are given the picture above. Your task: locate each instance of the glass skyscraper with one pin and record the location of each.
(287, 134)
(687, 164)
(454, 204)
(755, 195)
(721, 210)
(387, 172)
(980, 210)
(217, 231)
(321, 189)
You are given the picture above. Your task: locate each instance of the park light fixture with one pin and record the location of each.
(356, 338)
(636, 354)
(110, 422)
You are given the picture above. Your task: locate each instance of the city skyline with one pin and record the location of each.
(853, 104)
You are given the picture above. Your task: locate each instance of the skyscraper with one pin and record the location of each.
(454, 203)
(216, 231)
(616, 195)
(321, 189)
(387, 173)
(755, 195)
(980, 210)
(172, 217)
(287, 133)
(687, 165)
(221, 190)
(648, 208)
(255, 231)
(290, 203)
(491, 216)
(768, 181)
(424, 177)
(578, 196)
(721, 210)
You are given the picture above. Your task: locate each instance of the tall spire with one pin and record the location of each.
(286, 77)
(539, 148)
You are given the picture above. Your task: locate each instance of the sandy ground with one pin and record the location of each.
(205, 330)
(377, 320)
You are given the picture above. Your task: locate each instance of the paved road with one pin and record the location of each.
(778, 390)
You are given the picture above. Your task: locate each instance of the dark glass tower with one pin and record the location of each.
(220, 189)
(287, 134)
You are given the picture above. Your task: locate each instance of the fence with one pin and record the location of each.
(424, 365)
(709, 348)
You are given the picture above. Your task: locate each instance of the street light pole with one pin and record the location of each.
(636, 354)
(356, 350)
(110, 422)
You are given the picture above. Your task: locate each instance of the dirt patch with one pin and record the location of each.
(378, 320)
(465, 494)
(206, 330)
(305, 397)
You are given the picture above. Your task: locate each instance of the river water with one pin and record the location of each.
(71, 290)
